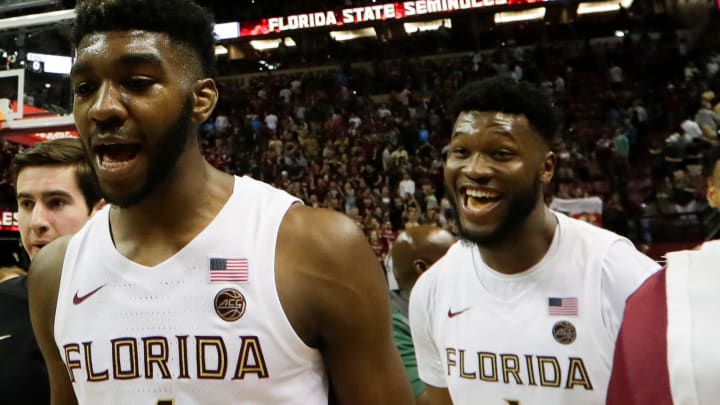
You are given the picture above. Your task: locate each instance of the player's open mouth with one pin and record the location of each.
(116, 155)
(480, 201)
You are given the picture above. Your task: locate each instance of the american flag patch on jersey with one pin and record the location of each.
(562, 306)
(224, 270)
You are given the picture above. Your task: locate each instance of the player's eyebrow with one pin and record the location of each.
(45, 194)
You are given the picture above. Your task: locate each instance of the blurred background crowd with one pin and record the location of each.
(362, 129)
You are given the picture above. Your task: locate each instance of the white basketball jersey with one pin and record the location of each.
(533, 338)
(204, 327)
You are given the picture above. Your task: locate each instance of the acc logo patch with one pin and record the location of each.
(564, 332)
(230, 304)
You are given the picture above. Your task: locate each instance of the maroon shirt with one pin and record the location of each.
(640, 369)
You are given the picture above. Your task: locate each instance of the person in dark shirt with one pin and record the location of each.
(57, 193)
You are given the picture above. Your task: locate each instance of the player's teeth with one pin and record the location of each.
(476, 203)
(481, 194)
(113, 165)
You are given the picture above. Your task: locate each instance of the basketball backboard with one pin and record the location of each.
(12, 94)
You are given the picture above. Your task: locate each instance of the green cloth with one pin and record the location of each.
(404, 343)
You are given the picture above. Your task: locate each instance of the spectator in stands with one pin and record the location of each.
(708, 120)
(412, 214)
(614, 215)
(271, 122)
(413, 252)
(57, 193)
(377, 244)
(639, 117)
(621, 157)
(406, 188)
(616, 76)
(666, 351)
(690, 131)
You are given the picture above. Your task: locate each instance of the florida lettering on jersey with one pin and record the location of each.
(206, 326)
(525, 369)
(159, 357)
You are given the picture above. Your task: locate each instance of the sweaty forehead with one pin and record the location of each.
(472, 122)
(110, 45)
(136, 40)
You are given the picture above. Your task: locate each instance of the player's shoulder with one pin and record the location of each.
(262, 194)
(46, 268)
(586, 237)
(585, 232)
(709, 248)
(649, 293)
(318, 242)
(319, 229)
(702, 259)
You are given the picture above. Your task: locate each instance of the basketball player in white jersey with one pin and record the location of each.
(196, 287)
(526, 307)
(667, 351)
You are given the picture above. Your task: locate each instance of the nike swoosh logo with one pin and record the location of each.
(452, 314)
(77, 300)
(3, 337)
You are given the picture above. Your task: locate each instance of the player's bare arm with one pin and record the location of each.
(422, 399)
(44, 282)
(438, 396)
(335, 296)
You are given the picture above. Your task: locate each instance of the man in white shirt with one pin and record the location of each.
(406, 188)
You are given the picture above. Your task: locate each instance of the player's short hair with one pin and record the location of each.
(58, 153)
(182, 20)
(710, 159)
(504, 94)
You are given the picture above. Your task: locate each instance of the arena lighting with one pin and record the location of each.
(602, 6)
(264, 44)
(220, 50)
(227, 30)
(427, 25)
(353, 34)
(516, 16)
(53, 17)
(52, 63)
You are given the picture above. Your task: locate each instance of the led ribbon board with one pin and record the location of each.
(357, 15)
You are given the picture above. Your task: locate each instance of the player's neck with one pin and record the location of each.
(173, 215)
(526, 246)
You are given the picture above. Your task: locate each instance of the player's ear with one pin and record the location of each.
(420, 266)
(205, 97)
(548, 167)
(98, 206)
(713, 196)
